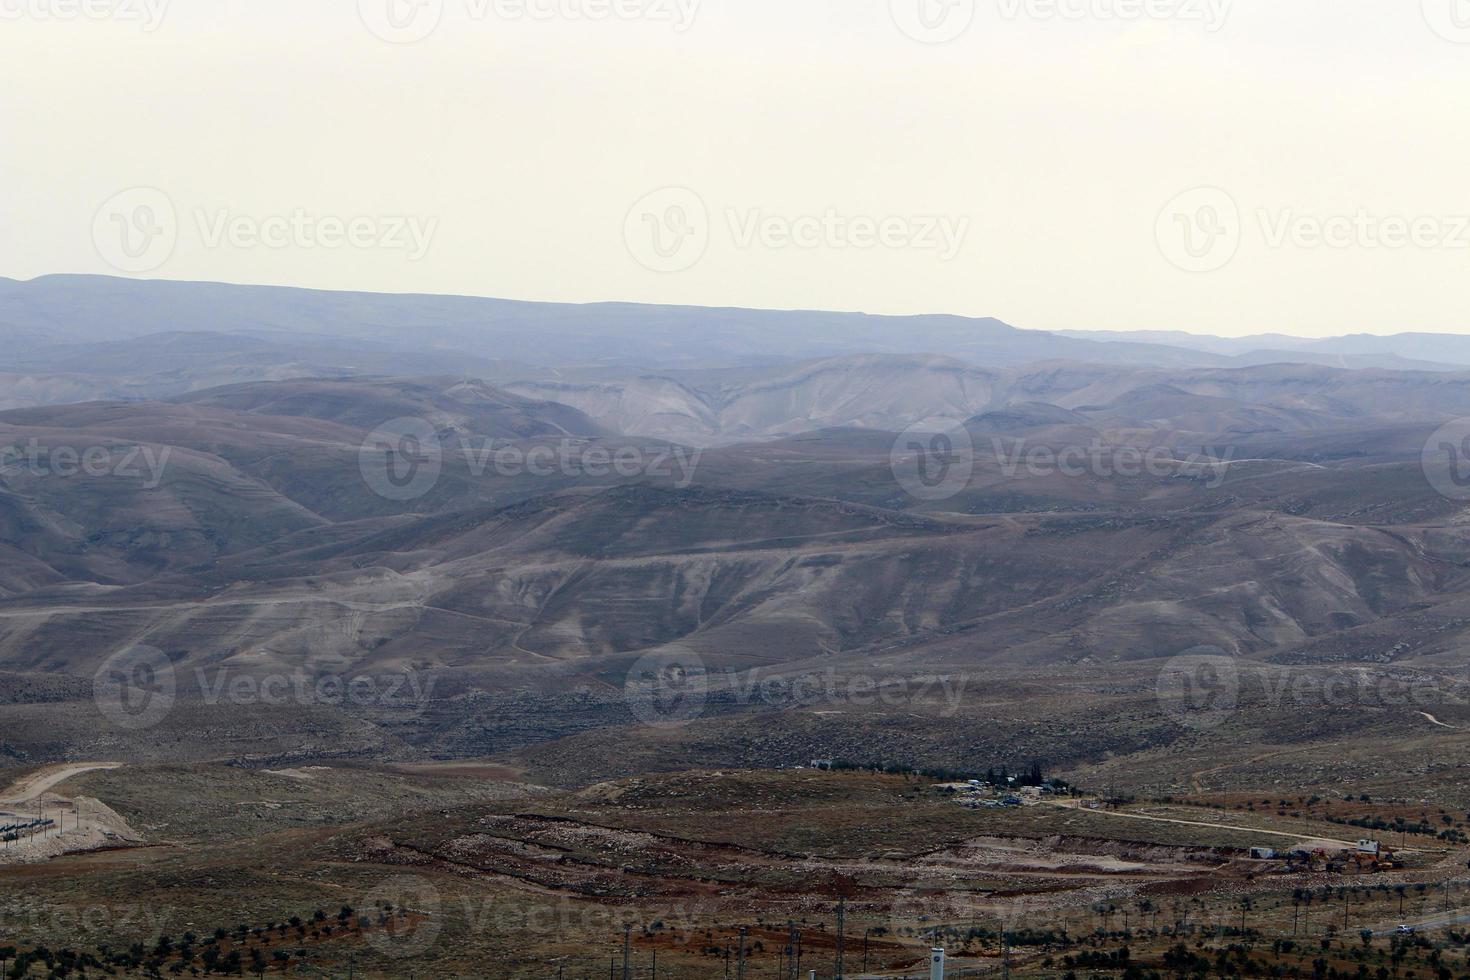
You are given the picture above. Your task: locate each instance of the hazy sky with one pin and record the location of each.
(1230, 167)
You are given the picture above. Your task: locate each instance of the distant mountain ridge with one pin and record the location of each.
(48, 320)
(1405, 351)
(44, 313)
(698, 376)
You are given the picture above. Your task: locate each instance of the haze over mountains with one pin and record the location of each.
(701, 376)
(87, 335)
(1430, 351)
(774, 517)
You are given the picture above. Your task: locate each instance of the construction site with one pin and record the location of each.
(37, 824)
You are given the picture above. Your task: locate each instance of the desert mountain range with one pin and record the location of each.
(1276, 511)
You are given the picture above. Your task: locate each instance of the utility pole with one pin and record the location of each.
(841, 923)
(791, 957)
(740, 957)
(627, 948)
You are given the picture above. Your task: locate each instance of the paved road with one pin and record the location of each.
(1448, 919)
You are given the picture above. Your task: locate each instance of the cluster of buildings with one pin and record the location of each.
(976, 793)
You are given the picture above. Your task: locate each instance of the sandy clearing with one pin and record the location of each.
(305, 773)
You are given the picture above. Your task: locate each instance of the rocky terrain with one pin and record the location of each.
(499, 565)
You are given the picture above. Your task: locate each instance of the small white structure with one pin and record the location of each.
(1369, 847)
(936, 964)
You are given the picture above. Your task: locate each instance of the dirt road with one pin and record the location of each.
(1304, 838)
(27, 789)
